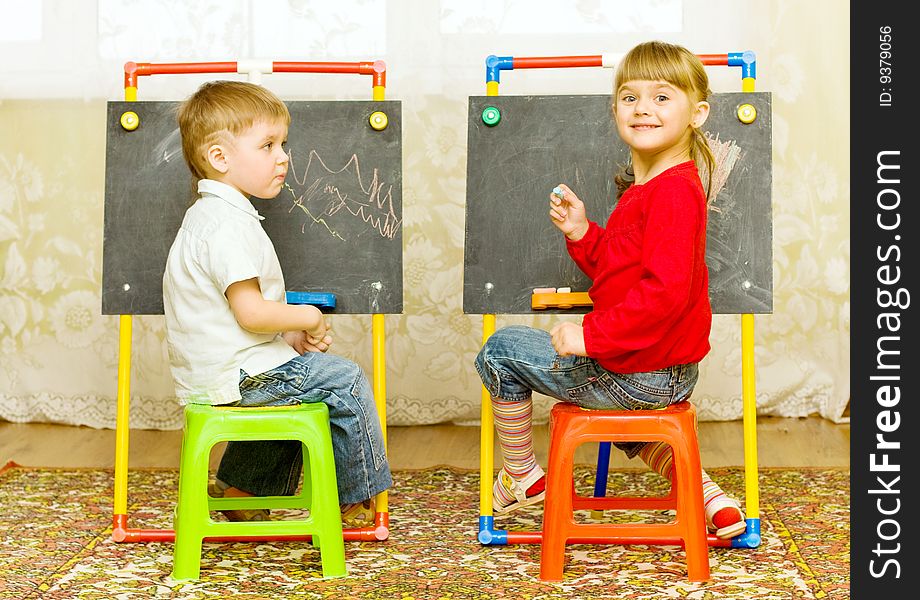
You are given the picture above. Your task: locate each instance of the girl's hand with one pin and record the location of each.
(568, 214)
(568, 339)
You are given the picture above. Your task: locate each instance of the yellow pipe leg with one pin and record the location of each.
(486, 427)
(122, 424)
(749, 399)
(378, 337)
(486, 435)
(380, 390)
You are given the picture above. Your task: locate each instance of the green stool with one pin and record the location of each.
(206, 426)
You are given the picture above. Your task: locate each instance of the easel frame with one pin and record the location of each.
(487, 534)
(254, 69)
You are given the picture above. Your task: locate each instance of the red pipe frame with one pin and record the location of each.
(595, 60)
(122, 533)
(377, 68)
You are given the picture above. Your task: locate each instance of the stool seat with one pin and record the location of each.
(206, 426)
(572, 426)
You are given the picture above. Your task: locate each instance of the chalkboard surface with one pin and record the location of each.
(336, 226)
(511, 246)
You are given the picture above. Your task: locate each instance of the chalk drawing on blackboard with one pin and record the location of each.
(168, 148)
(298, 203)
(726, 154)
(343, 191)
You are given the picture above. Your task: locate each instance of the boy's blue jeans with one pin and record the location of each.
(273, 468)
(516, 361)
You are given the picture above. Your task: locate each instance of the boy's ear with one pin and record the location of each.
(700, 114)
(217, 158)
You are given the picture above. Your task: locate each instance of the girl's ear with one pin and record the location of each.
(217, 158)
(699, 115)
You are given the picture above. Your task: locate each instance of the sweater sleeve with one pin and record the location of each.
(586, 252)
(652, 306)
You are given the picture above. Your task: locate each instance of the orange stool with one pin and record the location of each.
(572, 426)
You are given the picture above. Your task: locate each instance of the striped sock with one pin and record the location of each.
(721, 511)
(515, 438)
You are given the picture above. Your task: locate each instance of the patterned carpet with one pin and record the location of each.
(55, 543)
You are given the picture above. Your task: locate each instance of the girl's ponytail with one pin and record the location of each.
(705, 161)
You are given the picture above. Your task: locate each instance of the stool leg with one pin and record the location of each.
(325, 506)
(557, 510)
(306, 490)
(690, 508)
(600, 481)
(191, 512)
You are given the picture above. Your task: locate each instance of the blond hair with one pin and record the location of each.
(219, 110)
(660, 61)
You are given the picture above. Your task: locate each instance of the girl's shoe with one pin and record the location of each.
(726, 520)
(510, 494)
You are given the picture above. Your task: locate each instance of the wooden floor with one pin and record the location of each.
(781, 442)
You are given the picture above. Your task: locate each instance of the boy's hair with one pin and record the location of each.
(657, 60)
(219, 110)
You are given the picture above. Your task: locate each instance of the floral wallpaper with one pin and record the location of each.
(58, 354)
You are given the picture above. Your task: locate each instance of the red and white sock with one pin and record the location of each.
(722, 512)
(514, 427)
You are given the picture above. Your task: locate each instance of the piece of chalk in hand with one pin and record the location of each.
(558, 191)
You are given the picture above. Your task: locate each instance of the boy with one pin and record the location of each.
(232, 339)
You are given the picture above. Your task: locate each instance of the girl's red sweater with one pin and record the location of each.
(650, 281)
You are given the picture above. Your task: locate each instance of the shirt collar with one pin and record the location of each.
(229, 195)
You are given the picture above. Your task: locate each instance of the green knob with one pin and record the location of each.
(491, 116)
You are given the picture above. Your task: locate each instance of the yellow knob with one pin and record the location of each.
(747, 113)
(130, 120)
(378, 120)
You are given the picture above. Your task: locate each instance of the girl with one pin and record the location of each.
(640, 345)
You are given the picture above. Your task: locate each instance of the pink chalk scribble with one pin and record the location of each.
(325, 190)
(727, 154)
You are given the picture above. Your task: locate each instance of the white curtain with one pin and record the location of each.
(63, 60)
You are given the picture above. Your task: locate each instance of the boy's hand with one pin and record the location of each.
(568, 339)
(319, 344)
(302, 342)
(318, 330)
(568, 213)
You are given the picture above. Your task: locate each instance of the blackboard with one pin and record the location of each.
(511, 247)
(336, 227)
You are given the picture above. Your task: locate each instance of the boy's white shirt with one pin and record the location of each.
(220, 242)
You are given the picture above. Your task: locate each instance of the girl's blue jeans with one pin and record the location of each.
(517, 361)
(273, 467)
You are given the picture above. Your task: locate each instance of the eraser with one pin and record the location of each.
(564, 290)
(544, 290)
(318, 299)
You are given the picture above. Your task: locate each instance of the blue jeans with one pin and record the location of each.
(516, 361)
(273, 467)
